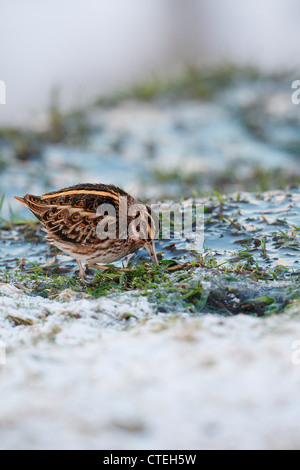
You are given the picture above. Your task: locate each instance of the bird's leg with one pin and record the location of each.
(82, 274)
(98, 266)
(127, 259)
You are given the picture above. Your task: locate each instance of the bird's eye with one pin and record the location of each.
(144, 224)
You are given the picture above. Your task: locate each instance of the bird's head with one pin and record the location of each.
(143, 229)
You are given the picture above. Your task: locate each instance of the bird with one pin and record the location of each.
(95, 223)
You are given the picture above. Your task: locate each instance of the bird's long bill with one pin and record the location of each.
(150, 247)
(20, 199)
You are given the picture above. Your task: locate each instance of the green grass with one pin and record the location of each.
(170, 287)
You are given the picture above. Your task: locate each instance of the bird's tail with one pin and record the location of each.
(34, 203)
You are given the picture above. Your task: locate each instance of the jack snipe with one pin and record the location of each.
(95, 223)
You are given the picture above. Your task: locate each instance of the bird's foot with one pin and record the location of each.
(82, 274)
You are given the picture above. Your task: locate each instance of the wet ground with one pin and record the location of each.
(248, 262)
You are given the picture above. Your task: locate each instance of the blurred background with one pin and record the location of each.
(94, 47)
(163, 97)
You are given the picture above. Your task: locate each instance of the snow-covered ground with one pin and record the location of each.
(82, 376)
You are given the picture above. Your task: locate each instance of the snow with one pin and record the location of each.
(83, 377)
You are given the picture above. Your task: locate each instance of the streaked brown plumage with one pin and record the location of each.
(71, 219)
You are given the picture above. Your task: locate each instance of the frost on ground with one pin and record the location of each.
(82, 374)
